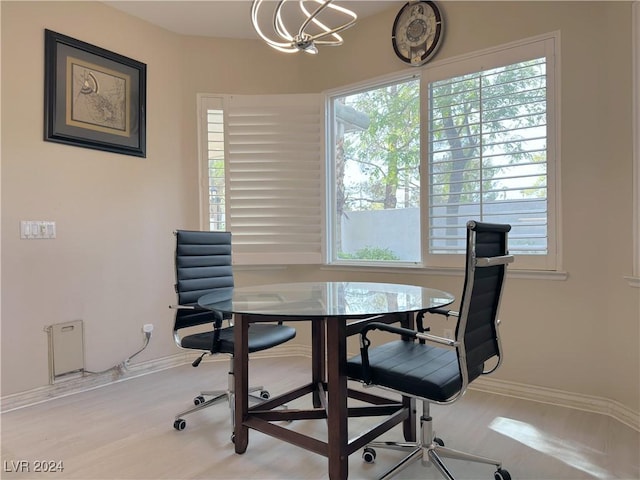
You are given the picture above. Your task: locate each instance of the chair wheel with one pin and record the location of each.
(179, 424)
(198, 400)
(369, 455)
(502, 474)
(439, 441)
(233, 438)
(265, 395)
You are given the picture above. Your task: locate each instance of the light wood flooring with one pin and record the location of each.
(125, 431)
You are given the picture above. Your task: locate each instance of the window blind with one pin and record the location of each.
(275, 178)
(490, 140)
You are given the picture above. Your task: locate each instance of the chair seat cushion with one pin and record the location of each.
(261, 337)
(416, 369)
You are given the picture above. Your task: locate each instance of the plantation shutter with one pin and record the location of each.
(275, 171)
(491, 157)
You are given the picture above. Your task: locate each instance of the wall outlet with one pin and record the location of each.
(147, 328)
(448, 333)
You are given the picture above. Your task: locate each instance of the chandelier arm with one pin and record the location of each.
(333, 33)
(278, 24)
(312, 17)
(280, 46)
(330, 43)
(327, 31)
(303, 40)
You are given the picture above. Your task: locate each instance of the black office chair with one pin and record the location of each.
(440, 374)
(203, 265)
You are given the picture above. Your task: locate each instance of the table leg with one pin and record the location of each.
(337, 392)
(318, 373)
(407, 320)
(241, 381)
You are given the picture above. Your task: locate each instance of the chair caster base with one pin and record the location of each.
(433, 454)
(179, 424)
(369, 455)
(502, 474)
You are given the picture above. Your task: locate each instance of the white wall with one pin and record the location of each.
(114, 213)
(111, 264)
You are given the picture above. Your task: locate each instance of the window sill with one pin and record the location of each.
(418, 270)
(633, 281)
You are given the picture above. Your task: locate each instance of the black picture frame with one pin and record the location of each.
(93, 98)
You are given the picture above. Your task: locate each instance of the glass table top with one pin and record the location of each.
(325, 299)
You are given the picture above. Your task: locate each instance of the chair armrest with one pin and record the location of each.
(439, 311)
(405, 332)
(365, 343)
(355, 326)
(387, 328)
(443, 311)
(493, 261)
(218, 317)
(435, 339)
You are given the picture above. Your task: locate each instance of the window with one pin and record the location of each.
(376, 174)
(415, 157)
(410, 158)
(212, 149)
(487, 156)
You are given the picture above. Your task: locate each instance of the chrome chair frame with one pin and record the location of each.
(204, 266)
(217, 396)
(428, 448)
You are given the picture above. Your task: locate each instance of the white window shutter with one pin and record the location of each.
(492, 153)
(276, 187)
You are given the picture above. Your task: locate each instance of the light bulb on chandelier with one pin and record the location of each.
(304, 39)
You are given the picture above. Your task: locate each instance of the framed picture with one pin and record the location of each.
(93, 98)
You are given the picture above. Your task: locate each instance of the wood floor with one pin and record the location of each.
(125, 431)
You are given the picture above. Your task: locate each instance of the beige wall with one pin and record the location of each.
(111, 263)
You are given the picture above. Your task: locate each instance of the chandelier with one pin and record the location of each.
(313, 30)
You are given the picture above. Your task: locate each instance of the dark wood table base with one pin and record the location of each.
(260, 418)
(329, 399)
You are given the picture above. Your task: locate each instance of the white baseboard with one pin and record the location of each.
(85, 382)
(561, 398)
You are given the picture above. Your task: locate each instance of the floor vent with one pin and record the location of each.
(66, 349)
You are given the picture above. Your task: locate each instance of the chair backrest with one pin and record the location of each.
(203, 265)
(477, 330)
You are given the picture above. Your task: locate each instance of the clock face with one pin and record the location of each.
(417, 32)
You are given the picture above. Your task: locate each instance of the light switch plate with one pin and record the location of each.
(37, 229)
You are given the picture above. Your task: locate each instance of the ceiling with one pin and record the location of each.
(220, 18)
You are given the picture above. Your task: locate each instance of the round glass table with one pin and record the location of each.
(325, 299)
(336, 310)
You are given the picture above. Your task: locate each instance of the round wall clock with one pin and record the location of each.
(417, 32)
